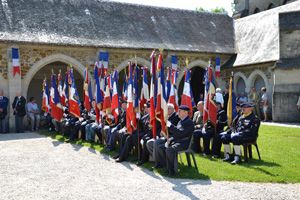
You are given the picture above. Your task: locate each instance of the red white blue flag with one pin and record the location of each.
(45, 103)
(218, 67)
(74, 101)
(87, 103)
(186, 96)
(153, 94)
(174, 62)
(60, 90)
(103, 60)
(130, 114)
(115, 97)
(98, 94)
(173, 93)
(55, 104)
(16, 62)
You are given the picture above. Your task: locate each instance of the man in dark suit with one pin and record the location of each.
(179, 141)
(153, 145)
(3, 111)
(19, 111)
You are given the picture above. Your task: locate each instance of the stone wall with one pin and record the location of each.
(262, 5)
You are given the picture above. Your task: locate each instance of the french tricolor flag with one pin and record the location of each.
(103, 59)
(174, 63)
(218, 70)
(15, 59)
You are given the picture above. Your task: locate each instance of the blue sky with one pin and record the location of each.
(185, 4)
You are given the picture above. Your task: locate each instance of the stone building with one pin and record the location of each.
(261, 50)
(51, 34)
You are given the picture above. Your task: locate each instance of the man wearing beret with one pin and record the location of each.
(246, 130)
(210, 132)
(179, 141)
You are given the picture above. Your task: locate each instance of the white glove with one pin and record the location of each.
(142, 141)
(166, 144)
(168, 123)
(114, 129)
(106, 127)
(123, 130)
(203, 131)
(157, 137)
(80, 119)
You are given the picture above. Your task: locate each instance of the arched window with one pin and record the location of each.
(259, 83)
(271, 6)
(256, 10)
(240, 86)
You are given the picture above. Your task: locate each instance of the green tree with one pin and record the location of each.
(215, 10)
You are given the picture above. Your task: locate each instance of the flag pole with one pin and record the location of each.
(138, 122)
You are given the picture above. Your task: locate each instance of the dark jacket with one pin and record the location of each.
(20, 107)
(248, 125)
(122, 119)
(221, 122)
(174, 119)
(183, 132)
(4, 104)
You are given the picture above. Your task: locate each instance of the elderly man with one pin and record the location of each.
(255, 97)
(198, 121)
(3, 111)
(19, 111)
(246, 130)
(33, 113)
(179, 141)
(152, 144)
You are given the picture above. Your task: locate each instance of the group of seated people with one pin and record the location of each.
(181, 129)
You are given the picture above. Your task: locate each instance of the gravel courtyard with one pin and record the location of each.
(37, 167)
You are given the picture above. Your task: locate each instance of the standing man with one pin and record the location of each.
(225, 97)
(3, 111)
(19, 111)
(179, 141)
(255, 98)
(198, 121)
(33, 113)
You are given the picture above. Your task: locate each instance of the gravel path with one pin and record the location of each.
(37, 167)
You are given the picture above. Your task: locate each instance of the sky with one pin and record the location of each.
(185, 4)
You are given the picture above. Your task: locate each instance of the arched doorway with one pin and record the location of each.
(240, 86)
(196, 83)
(259, 83)
(36, 84)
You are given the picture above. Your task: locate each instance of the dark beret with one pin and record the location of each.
(247, 104)
(184, 107)
(124, 101)
(147, 104)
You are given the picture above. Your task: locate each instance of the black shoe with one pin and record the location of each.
(172, 173)
(156, 166)
(237, 160)
(164, 171)
(140, 163)
(89, 141)
(134, 159)
(116, 156)
(215, 156)
(228, 158)
(120, 159)
(69, 140)
(108, 150)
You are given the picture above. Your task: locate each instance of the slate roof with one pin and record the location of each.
(257, 36)
(102, 23)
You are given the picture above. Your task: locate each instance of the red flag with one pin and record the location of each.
(130, 113)
(186, 96)
(86, 91)
(115, 100)
(107, 105)
(153, 95)
(45, 103)
(56, 107)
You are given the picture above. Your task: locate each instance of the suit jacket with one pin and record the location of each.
(256, 98)
(198, 119)
(221, 122)
(20, 107)
(4, 104)
(174, 119)
(122, 119)
(183, 132)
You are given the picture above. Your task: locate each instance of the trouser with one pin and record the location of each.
(197, 136)
(144, 150)
(19, 124)
(3, 125)
(217, 144)
(57, 125)
(128, 145)
(34, 118)
(111, 141)
(237, 139)
(206, 140)
(256, 110)
(82, 129)
(167, 155)
(98, 132)
(152, 146)
(90, 131)
(122, 142)
(75, 130)
(104, 132)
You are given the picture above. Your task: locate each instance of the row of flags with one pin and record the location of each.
(162, 91)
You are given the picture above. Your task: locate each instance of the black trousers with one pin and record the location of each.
(75, 130)
(82, 129)
(197, 136)
(144, 150)
(206, 140)
(238, 139)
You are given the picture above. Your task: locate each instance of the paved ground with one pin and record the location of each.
(37, 167)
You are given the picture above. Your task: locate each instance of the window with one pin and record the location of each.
(256, 10)
(271, 6)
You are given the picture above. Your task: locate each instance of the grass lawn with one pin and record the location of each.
(279, 149)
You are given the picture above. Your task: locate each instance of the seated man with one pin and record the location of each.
(198, 121)
(129, 140)
(152, 145)
(33, 113)
(112, 135)
(246, 130)
(210, 132)
(179, 141)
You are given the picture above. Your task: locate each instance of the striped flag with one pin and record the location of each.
(103, 59)
(107, 105)
(153, 94)
(174, 62)
(60, 90)
(186, 96)
(115, 98)
(173, 93)
(136, 103)
(231, 106)
(98, 94)
(55, 104)
(74, 101)
(86, 91)
(65, 94)
(130, 114)
(161, 107)
(45, 103)
(168, 83)
(16, 62)
(218, 65)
